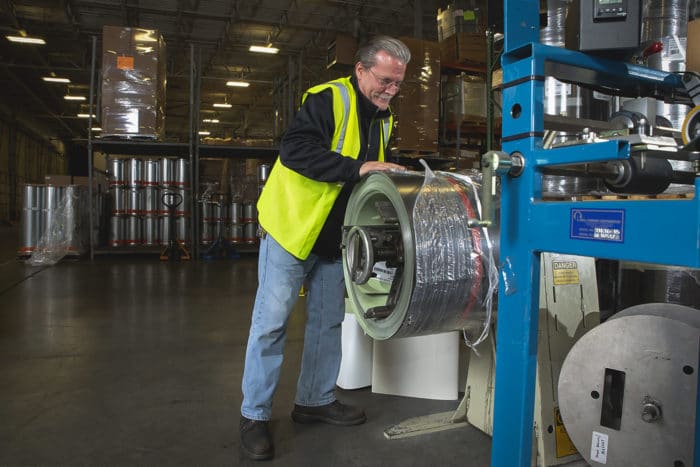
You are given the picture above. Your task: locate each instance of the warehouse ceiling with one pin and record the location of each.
(217, 33)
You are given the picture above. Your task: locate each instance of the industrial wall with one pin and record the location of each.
(24, 158)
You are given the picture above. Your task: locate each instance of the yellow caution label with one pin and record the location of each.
(565, 272)
(563, 443)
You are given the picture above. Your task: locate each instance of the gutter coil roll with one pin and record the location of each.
(449, 275)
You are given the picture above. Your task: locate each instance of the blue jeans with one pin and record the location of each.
(280, 277)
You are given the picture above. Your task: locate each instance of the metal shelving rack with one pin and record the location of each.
(530, 225)
(192, 149)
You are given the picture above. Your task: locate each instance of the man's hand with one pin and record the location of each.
(376, 166)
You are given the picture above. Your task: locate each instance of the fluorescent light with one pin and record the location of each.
(26, 40)
(96, 128)
(204, 133)
(86, 116)
(210, 120)
(222, 105)
(238, 84)
(263, 50)
(68, 97)
(53, 79)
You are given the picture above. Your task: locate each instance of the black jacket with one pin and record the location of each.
(305, 149)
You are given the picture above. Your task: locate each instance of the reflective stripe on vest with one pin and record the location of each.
(294, 208)
(345, 97)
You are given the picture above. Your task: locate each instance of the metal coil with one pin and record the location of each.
(32, 216)
(235, 213)
(444, 268)
(116, 172)
(117, 231)
(150, 231)
(167, 171)
(666, 21)
(182, 173)
(152, 169)
(135, 178)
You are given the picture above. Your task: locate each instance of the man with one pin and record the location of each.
(340, 133)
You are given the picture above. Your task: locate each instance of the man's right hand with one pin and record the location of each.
(376, 166)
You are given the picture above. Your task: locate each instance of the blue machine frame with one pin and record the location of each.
(628, 230)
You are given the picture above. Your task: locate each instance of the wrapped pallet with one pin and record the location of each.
(133, 83)
(417, 104)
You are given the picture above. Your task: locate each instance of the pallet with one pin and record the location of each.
(617, 197)
(415, 153)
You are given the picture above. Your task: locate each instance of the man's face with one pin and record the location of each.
(381, 82)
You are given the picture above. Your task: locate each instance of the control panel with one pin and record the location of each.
(606, 10)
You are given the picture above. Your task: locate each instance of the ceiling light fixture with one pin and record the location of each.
(210, 120)
(54, 79)
(26, 40)
(96, 128)
(204, 133)
(86, 116)
(238, 84)
(264, 49)
(223, 105)
(68, 97)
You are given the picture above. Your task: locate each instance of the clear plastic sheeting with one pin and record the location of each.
(456, 276)
(66, 229)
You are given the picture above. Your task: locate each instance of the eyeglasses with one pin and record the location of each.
(385, 82)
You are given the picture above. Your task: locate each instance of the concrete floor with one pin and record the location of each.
(127, 360)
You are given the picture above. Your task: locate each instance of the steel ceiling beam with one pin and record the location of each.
(38, 99)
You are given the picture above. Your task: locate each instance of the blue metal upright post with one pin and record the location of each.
(530, 225)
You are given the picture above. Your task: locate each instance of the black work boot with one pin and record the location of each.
(256, 441)
(334, 413)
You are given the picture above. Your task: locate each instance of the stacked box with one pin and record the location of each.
(133, 83)
(452, 20)
(464, 48)
(417, 105)
(692, 53)
(341, 51)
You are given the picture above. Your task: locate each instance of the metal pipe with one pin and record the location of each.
(91, 203)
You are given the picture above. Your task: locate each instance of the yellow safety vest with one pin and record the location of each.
(293, 208)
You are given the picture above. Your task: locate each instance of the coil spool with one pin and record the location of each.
(630, 384)
(412, 264)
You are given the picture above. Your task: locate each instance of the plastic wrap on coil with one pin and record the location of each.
(68, 230)
(644, 283)
(455, 266)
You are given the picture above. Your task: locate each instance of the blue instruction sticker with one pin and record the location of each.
(606, 225)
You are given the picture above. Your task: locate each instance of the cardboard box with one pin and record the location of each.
(99, 181)
(417, 105)
(464, 48)
(417, 117)
(133, 83)
(341, 51)
(692, 53)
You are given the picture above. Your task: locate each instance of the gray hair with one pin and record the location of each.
(394, 47)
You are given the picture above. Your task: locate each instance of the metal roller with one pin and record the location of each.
(627, 389)
(413, 266)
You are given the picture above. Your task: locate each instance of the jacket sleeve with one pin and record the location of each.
(305, 145)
